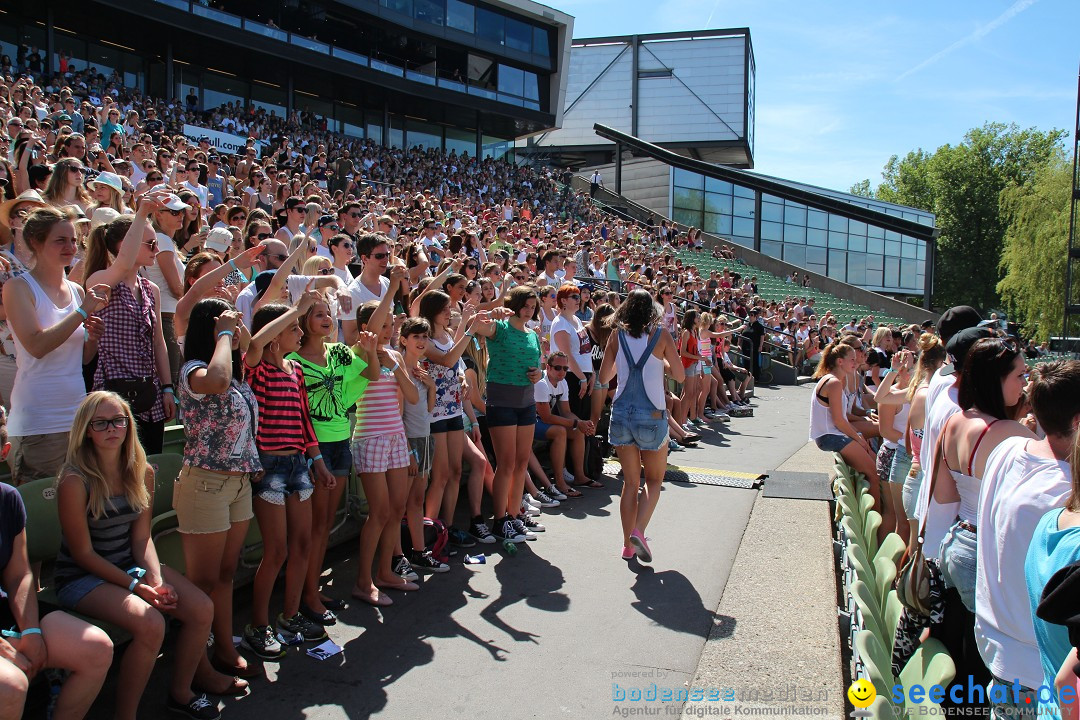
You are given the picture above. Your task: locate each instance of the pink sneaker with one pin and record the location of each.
(641, 547)
(627, 553)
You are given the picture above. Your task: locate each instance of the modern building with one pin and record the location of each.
(689, 92)
(460, 74)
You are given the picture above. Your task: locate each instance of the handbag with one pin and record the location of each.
(140, 393)
(914, 583)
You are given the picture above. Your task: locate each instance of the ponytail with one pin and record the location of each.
(833, 352)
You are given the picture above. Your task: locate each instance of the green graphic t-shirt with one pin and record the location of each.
(333, 390)
(512, 353)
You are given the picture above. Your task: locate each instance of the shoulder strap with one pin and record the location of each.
(649, 348)
(975, 449)
(939, 456)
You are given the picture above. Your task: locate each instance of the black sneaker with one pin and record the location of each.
(460, 538)
(481, 532)
(531, 525)
(426, 561)
(506, 531)
(263, 642)
(299, 625)
(519, 525)
(400, 566)
(199, 708)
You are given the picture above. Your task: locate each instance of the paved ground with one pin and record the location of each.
(566, 626)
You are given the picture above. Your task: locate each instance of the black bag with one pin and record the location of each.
(140, 393)
(596, 449)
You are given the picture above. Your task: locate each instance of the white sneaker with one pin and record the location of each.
(554, 492)
(688, 427)
(568, 476)
(528, 498)
(722, 417)
(545, 500)
(527, 509)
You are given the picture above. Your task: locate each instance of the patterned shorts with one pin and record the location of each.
(381, 453)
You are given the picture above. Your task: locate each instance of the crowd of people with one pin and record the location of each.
(308, 308)
(974, 457)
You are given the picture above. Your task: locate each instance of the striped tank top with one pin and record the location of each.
(379, 410)
(110, 536)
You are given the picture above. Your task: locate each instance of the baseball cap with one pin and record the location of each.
(102, 216)
(956, 319)
(325, 220)
(960, 343)
(218, 239)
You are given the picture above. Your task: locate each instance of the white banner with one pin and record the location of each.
(223, 142)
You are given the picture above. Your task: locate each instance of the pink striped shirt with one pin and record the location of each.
(379, 411)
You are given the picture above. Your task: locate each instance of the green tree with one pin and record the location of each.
(862, 189)
(1036, 247)
(962, 185)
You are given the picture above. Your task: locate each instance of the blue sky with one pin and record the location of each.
(843, 85)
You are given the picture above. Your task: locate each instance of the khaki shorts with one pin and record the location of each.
(210, 502)
(37, 456)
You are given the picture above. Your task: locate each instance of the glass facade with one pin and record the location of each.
(825, 243)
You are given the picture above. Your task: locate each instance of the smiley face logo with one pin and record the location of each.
(862, 693)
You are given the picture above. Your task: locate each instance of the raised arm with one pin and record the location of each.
(129, 246)
(276, 326)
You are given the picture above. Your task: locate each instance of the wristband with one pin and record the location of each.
(232, 264)
(394, 369)
(31, 631)
(133, 585)
(312, 461)
(169, 389)
(82, 312)
(225, 332)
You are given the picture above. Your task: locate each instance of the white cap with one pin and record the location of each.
(219, 239)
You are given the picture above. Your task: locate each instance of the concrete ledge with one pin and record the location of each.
(777, 645)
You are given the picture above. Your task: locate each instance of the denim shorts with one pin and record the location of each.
(70, 594)
(283, 475)
(423, 450)
(958, 563)
(832, 443)
(448, 425)
(1026, 707)
(338, 457)
(645, 428)
(694, 370)
(912, 485)
(706, 369)
(901, 464)
(507, 416)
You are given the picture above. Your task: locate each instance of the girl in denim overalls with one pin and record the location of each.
(637, 352)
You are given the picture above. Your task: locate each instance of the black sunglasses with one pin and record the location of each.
(559, 368)
(262, 236)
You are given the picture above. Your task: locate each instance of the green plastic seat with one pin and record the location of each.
(930, 665)
(168, 542)
(42, 519)
(892, 547)
(869, 608)
(174, 440)
(870, 529)
(166, 470)
(885, 574)
(891, 619)
(877, 661)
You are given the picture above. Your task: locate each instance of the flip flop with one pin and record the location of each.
(379, 601)
(571, 492)
(589, 484)
(237, 687)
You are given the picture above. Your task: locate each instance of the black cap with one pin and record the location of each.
(326, 220)
(262, 281)
(960, 343)
(956, 319)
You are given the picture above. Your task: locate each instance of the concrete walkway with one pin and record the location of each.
(564, 627)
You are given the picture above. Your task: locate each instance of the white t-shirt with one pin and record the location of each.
(1018, 488)
(580, 342)
(545, 391)
(941, 404)
(361, 294)
(201, 192)
(153, 272)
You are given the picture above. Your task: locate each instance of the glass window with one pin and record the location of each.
(743, 226)
(814, 236)
(356, 131)
(741, 240)
(907, 251)
(837, 223)
(717, 186)
(717, 203)
(794, 234)
(892, 247)
(489, 25)
(511, 80)
(794, 215)
(459, 15)
(374, 132)
(481, 72)
(772, 249)
(795, 254)
(717, 224)
(743, 192)
(743, 207)
(856, 268)
(429, 11)
(907, 273)
(838, 265)
(874, 231)
(838, 240)
(427, 136)
(856, 242)
(519, 35)
(892, 235)
(817, 219)
(892, 272)
(402, 6)
(687, 179)
(687, 217)
(688, 199)
(397, 133)
(772, 231)
(532, 86)
(462, 141)
(920, 251)
(875, 245)
(772, 211)
(816, 256)
(856, 228)
(268, 98)
(541, 44)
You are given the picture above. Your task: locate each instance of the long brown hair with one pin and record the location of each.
(833, 353)
(932, 355)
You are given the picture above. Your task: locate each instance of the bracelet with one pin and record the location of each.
(394, 369)
(168, 389)
(225, 332)
(232, 264)
(316, 459)
(82, 312)
(133, 585)
(31, 631)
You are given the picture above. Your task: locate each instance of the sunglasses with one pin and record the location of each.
(471, 266)
(119, 422)
(262, 236)
(150, 243)
(279, 256)
(334, 228)
(153, 178)
(326, 271)
(574, 297)
(174, 213)
(379, 256)
(347, 246)
(559, 368)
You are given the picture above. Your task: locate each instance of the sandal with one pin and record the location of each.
(572, 492)
(238, 687)
(589, 484)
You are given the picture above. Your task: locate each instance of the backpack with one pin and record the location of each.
(436, 538)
